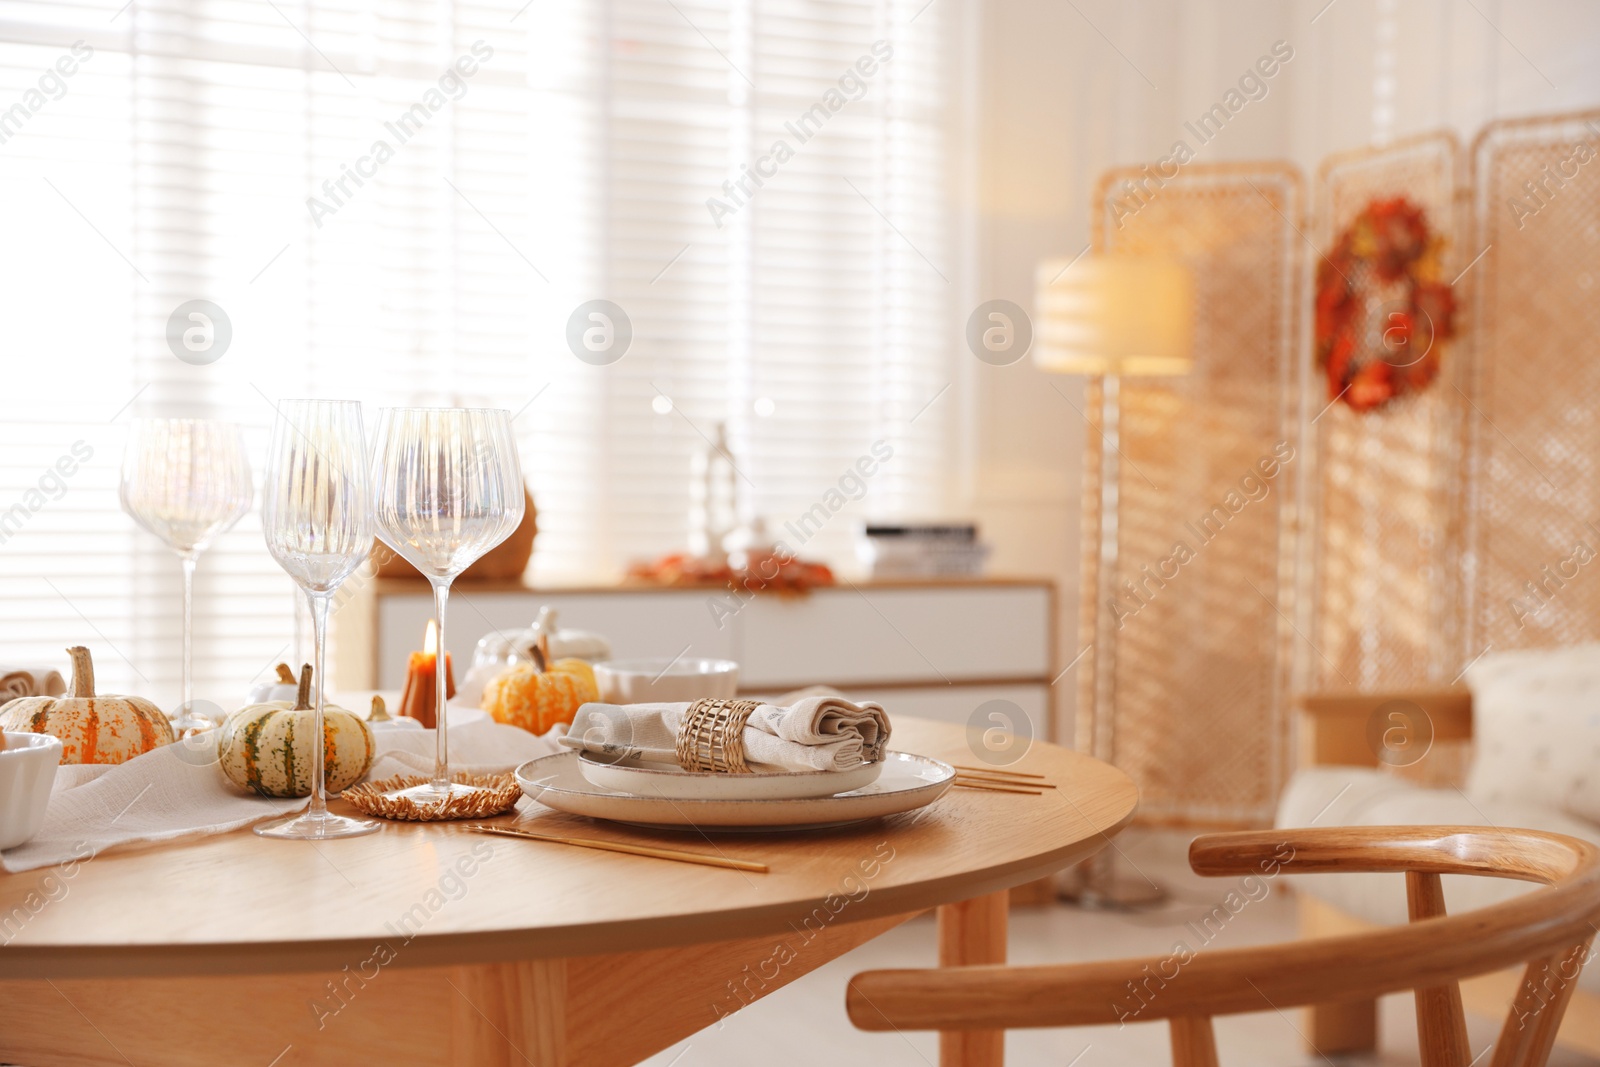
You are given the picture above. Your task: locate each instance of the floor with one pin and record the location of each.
(803, 1024)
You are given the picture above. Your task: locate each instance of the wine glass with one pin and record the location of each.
(186, 481)
(446, 488)
(316, 519)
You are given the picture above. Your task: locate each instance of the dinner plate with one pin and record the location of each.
(675, 783)
(905, 782)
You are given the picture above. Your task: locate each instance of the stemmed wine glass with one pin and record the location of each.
(186, 481)
(447, 487)
(316, 518)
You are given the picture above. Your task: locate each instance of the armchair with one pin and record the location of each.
(1339, 783)
(1549, 930)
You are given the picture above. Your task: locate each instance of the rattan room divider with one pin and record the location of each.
(1187, 684)
(1382, 608)
(1463, 520)
(1533, 476)
(1395, 546)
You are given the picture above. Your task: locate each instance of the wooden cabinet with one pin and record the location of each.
(939, 649)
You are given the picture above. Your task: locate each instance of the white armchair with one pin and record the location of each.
(1533, 720)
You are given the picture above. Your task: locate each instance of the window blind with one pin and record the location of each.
(410, 202)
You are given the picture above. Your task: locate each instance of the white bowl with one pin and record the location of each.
(663, 681)
(27, 771)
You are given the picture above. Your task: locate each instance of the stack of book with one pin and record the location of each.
(922, 550)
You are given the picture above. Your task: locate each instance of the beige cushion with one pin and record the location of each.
(1536, 729)
(1357, 796)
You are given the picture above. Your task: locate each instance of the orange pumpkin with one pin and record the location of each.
(92, 729)
(536, 697)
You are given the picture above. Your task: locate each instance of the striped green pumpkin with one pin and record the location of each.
(266, 748)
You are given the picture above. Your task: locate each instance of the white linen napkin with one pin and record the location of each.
(815, 733)
(30, 682)
(178, 790)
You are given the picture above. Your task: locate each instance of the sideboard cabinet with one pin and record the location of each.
(940, 649)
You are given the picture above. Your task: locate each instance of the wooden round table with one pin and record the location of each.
(425, 944)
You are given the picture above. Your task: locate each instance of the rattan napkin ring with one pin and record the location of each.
(501, 793)
(711, 737)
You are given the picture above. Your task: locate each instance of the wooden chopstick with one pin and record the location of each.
(993, 787)
(975, 777)
(996, 770)
(619, 846)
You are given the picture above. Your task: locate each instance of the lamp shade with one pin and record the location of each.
(1114, 314)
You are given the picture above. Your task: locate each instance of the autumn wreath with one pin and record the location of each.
(1382, 312)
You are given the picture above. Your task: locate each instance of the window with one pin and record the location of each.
(410, 202)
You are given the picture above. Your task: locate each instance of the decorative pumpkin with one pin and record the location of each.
(378, 718)
(535, 696)
(284, 687)
(92, 729)
(266, 748)
(501, 649)
(564, 643)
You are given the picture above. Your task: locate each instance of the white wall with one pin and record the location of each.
(1066, 90)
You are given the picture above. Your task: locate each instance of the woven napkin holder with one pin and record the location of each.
(711, 737)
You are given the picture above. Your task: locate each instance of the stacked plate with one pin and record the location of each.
(657, 794)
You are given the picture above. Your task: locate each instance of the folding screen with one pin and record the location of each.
(1186, 686)
(1383, 593)
(1534, 475)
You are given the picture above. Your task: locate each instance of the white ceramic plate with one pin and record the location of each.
(905, 783)
(663, 780)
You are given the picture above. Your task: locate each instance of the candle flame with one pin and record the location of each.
(430, 643)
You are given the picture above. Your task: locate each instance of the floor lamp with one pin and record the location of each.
(1111, 317)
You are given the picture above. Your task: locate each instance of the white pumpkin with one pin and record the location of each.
(284, 687)
(380, 719)
(266, 748)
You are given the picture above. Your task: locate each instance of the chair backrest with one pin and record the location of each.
(1548, 929)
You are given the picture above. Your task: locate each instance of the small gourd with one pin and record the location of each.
(378, 718)
(266, 748)
(92, 729)
(540, 694)
(499, 650)
(283, 687)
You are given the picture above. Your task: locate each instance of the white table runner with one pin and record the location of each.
(179, 791)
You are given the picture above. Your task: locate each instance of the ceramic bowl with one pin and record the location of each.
(27, 771)
(663, 681)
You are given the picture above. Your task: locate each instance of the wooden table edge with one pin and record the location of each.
(504, 946)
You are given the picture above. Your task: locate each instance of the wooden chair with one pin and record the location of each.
(1548, 929)
(1333, 732)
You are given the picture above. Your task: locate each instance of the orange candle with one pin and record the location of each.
(419, 698)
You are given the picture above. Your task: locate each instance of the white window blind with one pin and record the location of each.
(808, 321)
(533, 157)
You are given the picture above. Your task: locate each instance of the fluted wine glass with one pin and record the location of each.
(316, 516)
(446, 488)
(186, 481)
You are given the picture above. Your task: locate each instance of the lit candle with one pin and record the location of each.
(418, 698)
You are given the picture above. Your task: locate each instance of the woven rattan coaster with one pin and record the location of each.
(501, 795)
